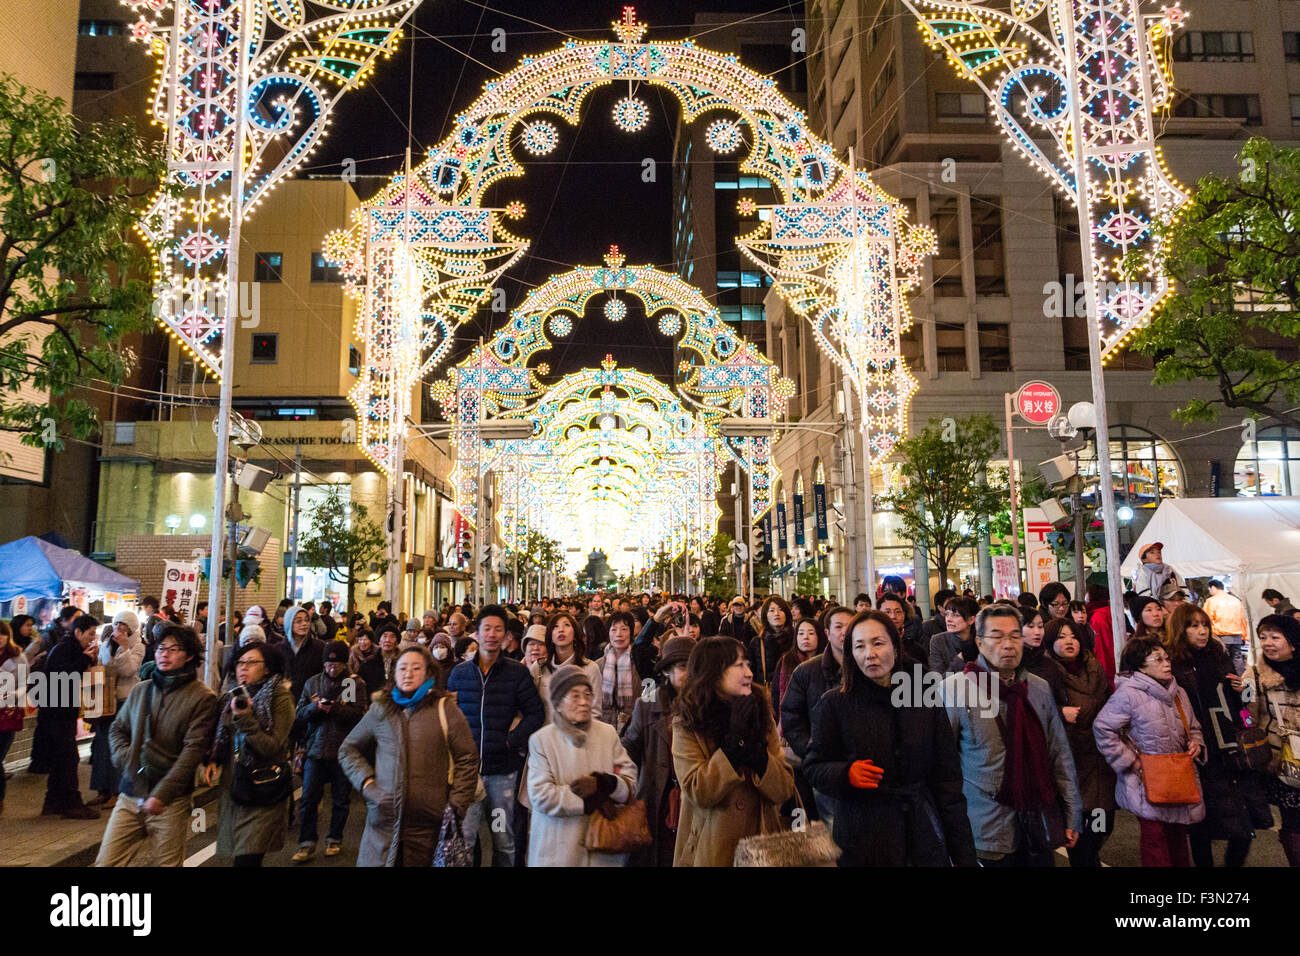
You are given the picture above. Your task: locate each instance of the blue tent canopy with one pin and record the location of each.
(34, 568)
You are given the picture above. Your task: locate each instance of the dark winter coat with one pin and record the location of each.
(1235, 804)
(945, 652)
(307, 662)
(182, 721)
(1088, 690)
(321, 732)
(372, 672)
(741, 631)
(765, 652)
(1039, 662)
(66, 658)
(648, 740)
(810, 680)
(243, 830)
(491, 703)
(917, 817)
(380, 746)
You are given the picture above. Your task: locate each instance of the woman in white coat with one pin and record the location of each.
(121, 653)
(576, 766)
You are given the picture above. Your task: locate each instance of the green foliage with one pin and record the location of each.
(342, 539)
(1237, 238)
(70, 193)
(943, 491)
(809, 581)
(719, 571)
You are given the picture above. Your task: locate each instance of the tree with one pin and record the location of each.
(344, 541)
(946, 503)
(70, 286)
(719, 567)
(1236, 239)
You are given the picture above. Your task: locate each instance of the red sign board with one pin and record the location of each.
(1038, 402)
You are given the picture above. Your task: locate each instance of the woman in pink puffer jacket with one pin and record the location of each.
(1144, 715)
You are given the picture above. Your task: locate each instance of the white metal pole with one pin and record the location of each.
(1015, 495)
(221, 463)
(1105, 481)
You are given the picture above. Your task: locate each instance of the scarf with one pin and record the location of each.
(1026, 780)
(616, 683)
(576, 733)
(1290, 671)
(166, 682)
(262, 696)
(390, 662)
(417, 695)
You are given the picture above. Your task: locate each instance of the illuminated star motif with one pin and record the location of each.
(540, 137)
(628, 29)
(670, 323)
(630, 114)
(514, 209)
(746, 207)
(723, 136)
(615, 310)
(560, 325)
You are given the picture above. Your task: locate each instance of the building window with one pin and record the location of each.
(1270, 465)
(950, 346)
(1242, 106)
(947, 261)
(322, 271)
(354, 360)
(888, 140)
(986, 246)
(265, 347)
(1202, 46)
(1291, 46)
(728, 279)
(266, 267)
(995, 347)
(1295, 110)
(92, 81)
(913, 352)
(960, 107)
(1144, 468)
(100, 28)
(882, 84)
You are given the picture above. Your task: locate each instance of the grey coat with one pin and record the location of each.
(378, 747)
(245, 830)
(1141, 716)
(945, 653)
(983, 758)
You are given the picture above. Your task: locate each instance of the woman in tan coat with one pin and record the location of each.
(726, 755)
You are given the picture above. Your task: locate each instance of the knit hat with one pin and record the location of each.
(255, 615)
(565, 679)
(414, 624)
(432, 614)
(252, 634)
(337, 651)
(130, 620)
(677, 650)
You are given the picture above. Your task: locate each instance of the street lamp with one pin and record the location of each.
(197, 521)
(172, 522)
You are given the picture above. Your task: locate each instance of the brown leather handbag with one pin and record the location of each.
(1170, 779)
(627, 831)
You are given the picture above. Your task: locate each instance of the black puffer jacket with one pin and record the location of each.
(490, 704)
(810, 680)
(918, 815)
(322, 732)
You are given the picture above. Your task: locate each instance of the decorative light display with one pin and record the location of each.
(462, 247)
(615, 458)
(1091, 75)
(631, 114)
(616, 310)
(297, 59)
(560, 325)
(723, 136)
(670, 323)
(733, 379)
(540, 137)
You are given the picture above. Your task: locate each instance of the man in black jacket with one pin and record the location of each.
(331, 704)
(735, 625)
(56, 719)
(810, 680)
(491, 691)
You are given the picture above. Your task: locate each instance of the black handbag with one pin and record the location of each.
(261, 786)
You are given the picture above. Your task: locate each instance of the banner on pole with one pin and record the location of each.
(1006, 580)
(798, 520)
(781, 541)
(819, 509)
(767, 534)
(180, 587)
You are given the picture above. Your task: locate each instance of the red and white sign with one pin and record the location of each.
(1040, 560)
(1038, 403)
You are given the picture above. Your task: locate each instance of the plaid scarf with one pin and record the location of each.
(262, 698)
(617, 682)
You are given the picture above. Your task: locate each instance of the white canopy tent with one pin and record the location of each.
(1250, 543)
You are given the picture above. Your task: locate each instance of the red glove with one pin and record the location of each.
(865, 775)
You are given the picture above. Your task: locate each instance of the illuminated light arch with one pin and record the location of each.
(614, 453)
(1090, 74)
(821, 219)
(301, 57)
(734, 379)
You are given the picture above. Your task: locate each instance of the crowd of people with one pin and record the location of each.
(664, 730)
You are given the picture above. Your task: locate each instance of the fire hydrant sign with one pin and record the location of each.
(1038, 403)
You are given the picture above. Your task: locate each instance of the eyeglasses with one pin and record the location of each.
(1059, 604)
(1157, 658)
(168, 649)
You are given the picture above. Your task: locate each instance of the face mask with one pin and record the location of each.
(440, 652)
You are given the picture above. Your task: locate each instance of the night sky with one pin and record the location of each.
(582, 197)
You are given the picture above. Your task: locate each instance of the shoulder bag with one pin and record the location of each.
(452, 849)
(264, 785)
(809, 844)
(1253, 751)
(1170, 779)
